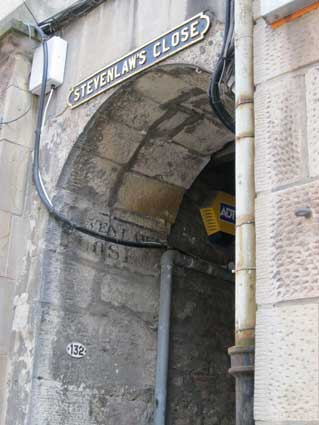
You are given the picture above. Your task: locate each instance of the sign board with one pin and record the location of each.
(227, 213)
(188, 33)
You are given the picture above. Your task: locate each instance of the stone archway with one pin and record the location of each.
(155, 134)
(125, 177)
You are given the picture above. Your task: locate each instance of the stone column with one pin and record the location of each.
(17, 111)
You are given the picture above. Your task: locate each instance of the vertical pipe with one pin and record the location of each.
(167, 262)
(242, 355)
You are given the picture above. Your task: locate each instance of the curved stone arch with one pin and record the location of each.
(125, 177)
(146, 144)
(63, 130)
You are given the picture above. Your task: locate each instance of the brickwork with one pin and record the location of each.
(286, 98)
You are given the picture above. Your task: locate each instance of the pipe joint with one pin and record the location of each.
(168, 257)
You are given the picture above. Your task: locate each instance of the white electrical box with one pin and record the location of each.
(57, 48)
(273, 10)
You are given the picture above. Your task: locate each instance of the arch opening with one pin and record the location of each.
(145, 163)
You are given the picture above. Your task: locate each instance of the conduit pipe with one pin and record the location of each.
(242, 354)
(168, 260)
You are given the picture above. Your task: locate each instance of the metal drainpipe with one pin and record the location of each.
(242, 354)
(168, 260)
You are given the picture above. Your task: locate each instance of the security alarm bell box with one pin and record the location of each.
(57, 48)
(219, 218)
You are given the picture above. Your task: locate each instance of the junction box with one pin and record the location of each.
(57, 48)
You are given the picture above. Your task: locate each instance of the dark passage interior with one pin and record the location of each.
(200, 390)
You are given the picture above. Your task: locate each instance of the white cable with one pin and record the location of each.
(46, 107)
(44, 190)
(43, 123)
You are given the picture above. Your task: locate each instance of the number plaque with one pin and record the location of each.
(76, 350)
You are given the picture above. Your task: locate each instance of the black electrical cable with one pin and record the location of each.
(213, 91)
(16, 118)
(37, 176)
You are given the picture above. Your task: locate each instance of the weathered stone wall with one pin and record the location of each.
(18, 215)
(98, 39)
(105, 295)
(120, 167)
(107, 298)
(286, 99)
(44, 9)
(200, 390)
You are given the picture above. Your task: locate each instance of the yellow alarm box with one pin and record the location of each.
(219, 218)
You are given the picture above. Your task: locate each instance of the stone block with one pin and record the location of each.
(204, 54)
(3, 374)
(7, 64)
(16, 67)
(20, 113)
(285, 49)
(88, 407)
(90, 176)
(205, 136)
(5, 221)
(286, 365)
(20, 246)
(281, 132)
(99, 216)
(135, 110)
(199, 103)
(75, 284)
(169, 162)
(14, 161)
(101, 255)
(136, 292)
(157, 225)
(173, 123)
(312, 98)
(160, 86)
(16, 100)
(121, 349)
(7, 287)
(287, 246)
(194, 77)
(150, 197)
(112, 140)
